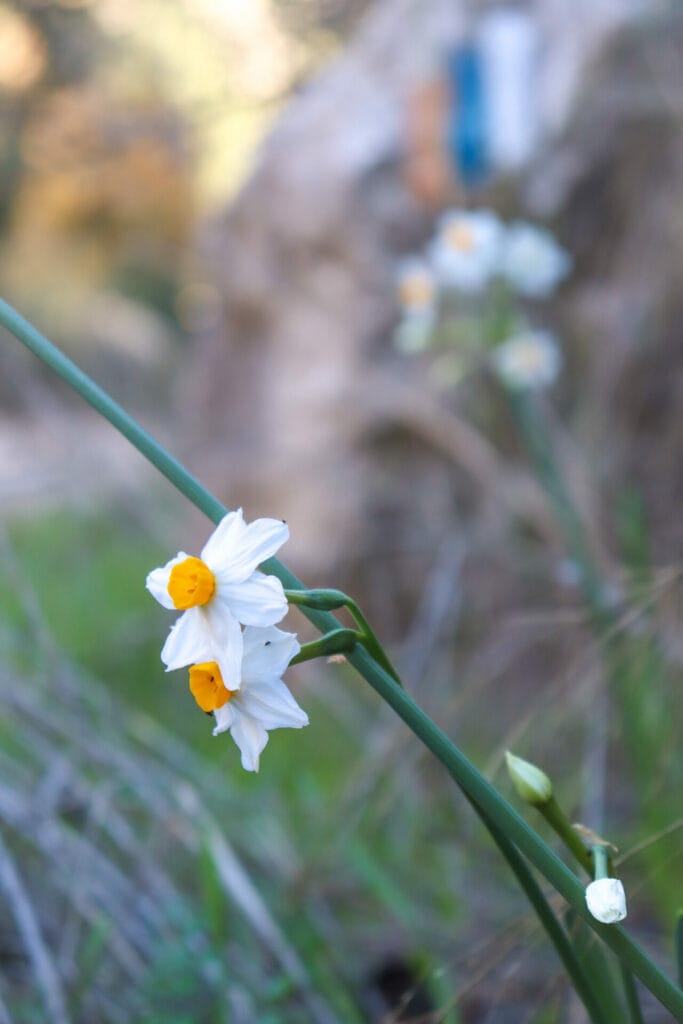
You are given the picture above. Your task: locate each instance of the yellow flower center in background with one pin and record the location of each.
(191, 583)
(207, 686)
(529, 357)
(415, 290)
(459, 236)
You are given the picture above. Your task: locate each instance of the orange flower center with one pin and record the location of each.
(459, 236)
(415, 290)
(207, 686)
(191, 583)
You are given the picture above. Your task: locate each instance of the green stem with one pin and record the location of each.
(600, 861)
(554, 930)
(635, 1013)
(535, 434)
(517, 831)
(678, 943)
(337, 641)
(559, 822)
(330, 600)
(536, 437)
(371, 641)
(473, 784)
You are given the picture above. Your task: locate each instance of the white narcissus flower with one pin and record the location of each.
(218, 591)
(415, 286)
(531, 360)
(466, 251)
(263, 701)
(416, 292)
(532, 261)
(606, 900)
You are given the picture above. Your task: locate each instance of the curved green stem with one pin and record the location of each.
(371, 641)
(331, 600)
(337, 641)
(473, 784)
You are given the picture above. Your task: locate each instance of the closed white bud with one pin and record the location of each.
(530, 782)
(606, 900)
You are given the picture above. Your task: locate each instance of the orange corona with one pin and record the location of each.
(207, 686)
(191, 583)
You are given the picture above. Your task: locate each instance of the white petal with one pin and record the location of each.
(267, 652)
(188, 643)
(235, 552)
(271, 704)
(225, 539)
(259, 601)
(225, 642)
(157, 581)
(224, 717)
(606, 900)
(251, 738)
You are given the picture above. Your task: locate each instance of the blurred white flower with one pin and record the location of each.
(220, 590)
(531, 360)
(606, 900)
(532, 261)
(466, 251)
(263, 701)
(416, 292)
(416, 287)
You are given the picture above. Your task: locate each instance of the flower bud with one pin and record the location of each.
(530, 782)
(321, 600)
(606, 900)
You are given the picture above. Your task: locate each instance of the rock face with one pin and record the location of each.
(310, 416)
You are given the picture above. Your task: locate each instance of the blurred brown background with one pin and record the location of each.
(204, 202)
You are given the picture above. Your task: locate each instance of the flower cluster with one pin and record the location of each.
(235, 675)
(474, 253)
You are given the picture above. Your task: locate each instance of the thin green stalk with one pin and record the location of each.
(517, 831)
(559, 822)
(536, 438)
(597, 963)
(554, 930)
(678, 943)
(535, 434)
(329, 600)
(600, 861)
(635, 1013)
(337, 641)
(473, 784)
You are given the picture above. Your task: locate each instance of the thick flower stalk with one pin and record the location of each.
(262, 702)
(218, 591)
